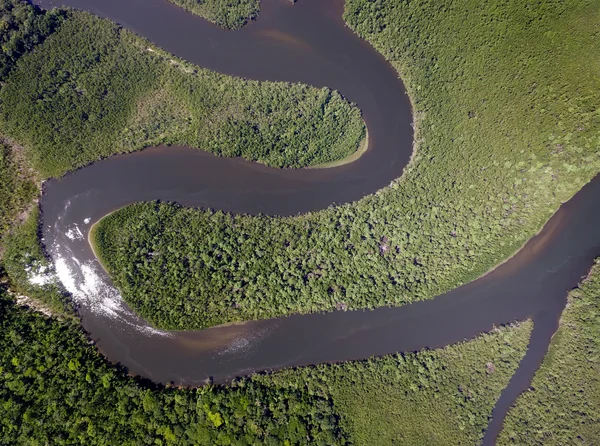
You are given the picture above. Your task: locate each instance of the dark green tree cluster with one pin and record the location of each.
(55, 388)
(231, 14)
(67, 102)
(22, 27)
(506, 129)
(94, 89)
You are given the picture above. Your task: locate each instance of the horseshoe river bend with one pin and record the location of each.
(307, 42)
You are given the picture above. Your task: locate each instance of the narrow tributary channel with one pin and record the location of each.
(307, 42)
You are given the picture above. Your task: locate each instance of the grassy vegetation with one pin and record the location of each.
(563, 403)
(17, 188)
(507, 129)
(56, 388)
(22, 258)
(484, 179)
(231, 14)
(92, 90)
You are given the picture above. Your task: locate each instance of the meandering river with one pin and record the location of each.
(306, 42)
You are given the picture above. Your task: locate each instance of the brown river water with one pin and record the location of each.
(306, 42)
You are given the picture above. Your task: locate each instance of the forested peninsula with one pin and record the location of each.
(225, 13)
(501, 142)
(93, 89)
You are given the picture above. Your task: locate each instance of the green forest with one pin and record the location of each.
(230, 14)
(55, 388)
(92, 89)
(562, 405)
(501, 142)
(506, 129)
(440, 397)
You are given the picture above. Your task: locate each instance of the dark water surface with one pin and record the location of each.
(306, 42)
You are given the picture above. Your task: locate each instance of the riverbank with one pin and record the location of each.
(442, 397)
(91, 239)
(22, 256)
(223, 13)
(416, 218)
(362, 149)
(226, 14)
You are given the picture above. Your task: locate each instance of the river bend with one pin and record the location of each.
(307, 42)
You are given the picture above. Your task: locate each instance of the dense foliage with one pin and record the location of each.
(22, 27)
(507, 129)
(562, 405)
(232, 14)
(93, 89)
(56, 389)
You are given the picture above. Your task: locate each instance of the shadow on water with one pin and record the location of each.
(307, 42)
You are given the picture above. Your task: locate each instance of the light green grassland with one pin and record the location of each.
(17, 188)
(21, 29)
(562, 406)
(505, 95)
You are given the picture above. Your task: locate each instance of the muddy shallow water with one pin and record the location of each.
(306, 42)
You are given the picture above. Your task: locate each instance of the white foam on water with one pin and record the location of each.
(63, 273)
(86, 281)
(40, 279)
(74, 233)
(245, 342)
(88, 289)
